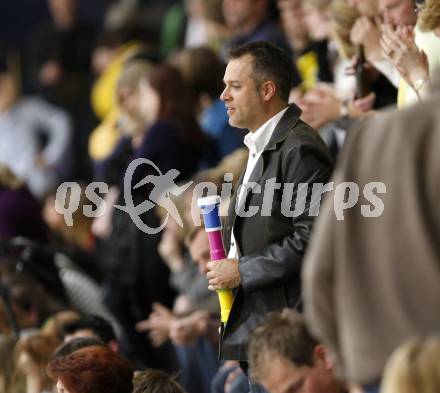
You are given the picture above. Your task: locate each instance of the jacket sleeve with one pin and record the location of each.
(281, 262)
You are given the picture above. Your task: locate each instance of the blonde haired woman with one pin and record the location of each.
(32, 354)
(414, 367)
(415, 53)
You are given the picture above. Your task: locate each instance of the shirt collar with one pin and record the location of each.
(257, 141)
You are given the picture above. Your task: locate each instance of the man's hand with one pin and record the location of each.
(184, 331)
(360, 107)
(170, 250)
(158, 324)
(367, 33)
(320, 106)
(223, 274)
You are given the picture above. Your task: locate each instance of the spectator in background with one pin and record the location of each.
(155, 381)
(20, 212)
(328, 103)
(203, 70)
(217, 31)
(398, 13)
(394, 284)
(310, 54)
(170, 136)
(54, 324)
(366, 30)
(126, 121)
(61, 52)
(334, 109)
(413, 367)
(369, 8)
(284, 357)
(95, 369)
(193, 23)
(91, 326)
(7, 344)
(59, 57)
(25, 123)
(414, 52)
(249, 22)
(294, 26)
(75, 344)
(74, 239)
(112, 52)
(172, 140)
(191, 327)
(32, 354)
(319, 62)
(30, 302)
(126, 118)
(78, 234)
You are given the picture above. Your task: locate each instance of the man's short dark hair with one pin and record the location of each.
(99, 326)
(282, 334)
(155, 381)
(76, 344)
(270, 62)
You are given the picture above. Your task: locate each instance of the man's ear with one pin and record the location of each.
(114, 345)
(268, 90)
(321, 357)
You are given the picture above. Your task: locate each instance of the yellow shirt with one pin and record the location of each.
(104, 137)
(308, 68)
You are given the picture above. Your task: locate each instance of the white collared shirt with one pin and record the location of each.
(255, 142)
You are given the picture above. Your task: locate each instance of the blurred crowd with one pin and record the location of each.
(88, 88)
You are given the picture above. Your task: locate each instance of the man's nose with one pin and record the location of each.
(225, 94)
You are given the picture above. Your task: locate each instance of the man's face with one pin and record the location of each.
(238, 12)
(292, 17)
(241, 95)
(398, 12)
(368, 8)
(282, 376)
(62, 8)
(199, 250)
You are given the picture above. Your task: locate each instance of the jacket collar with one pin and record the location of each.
(289, 119)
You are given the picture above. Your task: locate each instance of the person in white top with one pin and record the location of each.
(22, 122)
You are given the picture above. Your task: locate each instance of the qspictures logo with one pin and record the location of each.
(295, 198)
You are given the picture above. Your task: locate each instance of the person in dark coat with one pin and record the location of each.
(20, 212)
(264, 238)
(136, 275)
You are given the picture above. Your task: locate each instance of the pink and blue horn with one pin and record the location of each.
(213, 227)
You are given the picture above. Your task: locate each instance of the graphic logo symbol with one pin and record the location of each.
(164, 185)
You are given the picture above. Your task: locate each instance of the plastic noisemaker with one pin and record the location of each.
(213, 227)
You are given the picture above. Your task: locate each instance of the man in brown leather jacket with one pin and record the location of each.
(266, 232)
